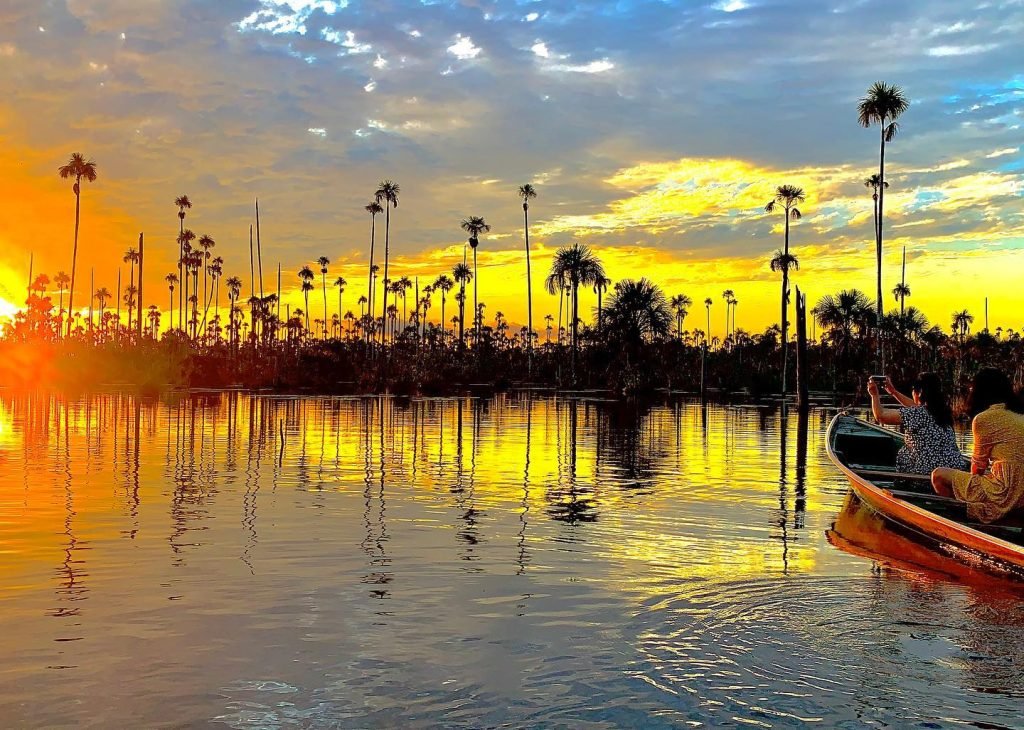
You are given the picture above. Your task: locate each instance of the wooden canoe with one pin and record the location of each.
(866, 454)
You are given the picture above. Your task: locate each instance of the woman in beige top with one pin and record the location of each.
(995, 486)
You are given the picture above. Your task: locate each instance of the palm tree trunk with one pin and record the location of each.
(387, 256)
(878, 241)
(74, 253)
(323, 278)
(476, 311)
(529, 292)
(785, 318)
(170, 322)
(575, 321)
(181, 278)
(369, 276)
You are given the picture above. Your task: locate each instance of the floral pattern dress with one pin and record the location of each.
(928, 445)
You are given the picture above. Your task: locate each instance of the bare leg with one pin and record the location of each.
(942, 481)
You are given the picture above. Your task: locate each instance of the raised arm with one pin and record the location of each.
(900, 398)
(887, 416)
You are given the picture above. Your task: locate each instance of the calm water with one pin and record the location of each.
(227, 560)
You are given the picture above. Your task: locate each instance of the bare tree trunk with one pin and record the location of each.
(74, 255)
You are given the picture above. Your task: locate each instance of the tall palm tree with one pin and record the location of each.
(79, 169)
(882, 105)
(680, 304)
(234, 285)
(463, 276)
(306, 276)
(549, 319)
(185, 238)
(786, 197)
(183, 204)
(404, 285)
(474, 226)
(577, 265)
(206, 243)
(707, 305)
(61, 280)
(387, 193)
(131, 257)
(154, 319)
(373, 208)
(901, 291)
(526, 194)
(600, 287)
(324, 261)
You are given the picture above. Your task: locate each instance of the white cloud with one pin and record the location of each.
(530, 17)
(540, 48)
(415, 33)
(594, 67)
(941, 51)
(463, 48)
(317, 131)
(347, 41)
(1002, 153)
(370, 86)
(731, 6)
(287, 16)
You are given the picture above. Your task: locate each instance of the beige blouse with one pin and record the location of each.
(999, 448)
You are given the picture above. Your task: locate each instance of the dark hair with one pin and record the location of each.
(991, 386)
(934, 399)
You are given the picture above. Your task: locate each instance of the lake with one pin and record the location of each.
(233, 560)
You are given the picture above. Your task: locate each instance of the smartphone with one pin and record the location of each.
(880, 379)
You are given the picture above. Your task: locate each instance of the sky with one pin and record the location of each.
(653, 131)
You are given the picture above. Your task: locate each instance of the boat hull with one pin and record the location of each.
(916, 518)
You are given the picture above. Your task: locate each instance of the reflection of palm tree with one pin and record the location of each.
(79, 169)
(787, 197)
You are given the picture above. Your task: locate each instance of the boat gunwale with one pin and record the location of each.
(910, 515)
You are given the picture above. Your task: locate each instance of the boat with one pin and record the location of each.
(866, 455)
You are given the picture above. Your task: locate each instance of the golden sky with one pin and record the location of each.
(656, 142)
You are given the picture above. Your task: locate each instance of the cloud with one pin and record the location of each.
(463, 48)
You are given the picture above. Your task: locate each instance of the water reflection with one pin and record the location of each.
(522, 560)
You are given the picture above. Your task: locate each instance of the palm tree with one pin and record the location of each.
(185, 239)
(234, 285)
(901, 291)
(444, 284)
(102, 295)
(474, 226)
(129, 302)
(463, 276)
(707, 305)
(962, 323)
(171, 280)
(638, 311)
(787, 197)
(404, 285)
(680, 304)
(61, 280)
(526, 194)
(600, 287)
(306, 276)
(362, 306)
(575, 264)
(549, 319)
(79, 169)
(183, 204)
(845, 314)
(206, 243)
(154, 319)
(341, 284)
(387, 193)
(882, 105)
(373, 208)
(324, 261)
(727, 295)
(874, 183)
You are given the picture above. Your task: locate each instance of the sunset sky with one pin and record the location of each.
(653, 131)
